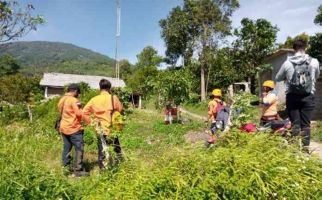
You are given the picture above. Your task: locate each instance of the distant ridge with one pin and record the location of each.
(43, 56)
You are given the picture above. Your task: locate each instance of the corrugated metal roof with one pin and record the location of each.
(60, 80)
(279, 52)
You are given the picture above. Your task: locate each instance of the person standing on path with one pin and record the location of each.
(214, 106)
(71, 128)
(300, 73)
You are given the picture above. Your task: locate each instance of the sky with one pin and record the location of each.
(92, 23)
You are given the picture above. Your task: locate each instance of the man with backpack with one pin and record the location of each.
(71, 128)
(300, 73)
(102, 107)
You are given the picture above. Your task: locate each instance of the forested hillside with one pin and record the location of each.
(40, 56)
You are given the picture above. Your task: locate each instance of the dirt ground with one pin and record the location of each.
(316, 148)
(196, 137)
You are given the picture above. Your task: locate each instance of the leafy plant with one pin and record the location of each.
(173, 86)
(243, 111)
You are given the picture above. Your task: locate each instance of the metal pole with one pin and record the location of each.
(117, 35)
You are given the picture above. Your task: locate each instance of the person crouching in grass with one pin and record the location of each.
(269, 104)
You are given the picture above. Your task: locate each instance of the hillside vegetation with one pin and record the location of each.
(40, 56)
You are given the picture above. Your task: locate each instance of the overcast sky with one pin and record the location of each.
(91, 23)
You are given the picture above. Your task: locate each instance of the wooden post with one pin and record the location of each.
(140, 102)
(231, 91)
(29, 112)
(46, 92)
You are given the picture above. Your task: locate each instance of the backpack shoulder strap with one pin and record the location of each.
(112, 100)
(113, 109)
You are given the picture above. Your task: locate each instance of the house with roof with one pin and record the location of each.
(54, 84)
(277, 59)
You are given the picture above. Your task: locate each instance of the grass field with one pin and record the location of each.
(159, 164)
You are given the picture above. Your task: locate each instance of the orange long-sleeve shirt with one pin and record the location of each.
(71, 115)
(101, 107)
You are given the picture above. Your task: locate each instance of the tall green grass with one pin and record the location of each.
(159, 164)
(239, 167)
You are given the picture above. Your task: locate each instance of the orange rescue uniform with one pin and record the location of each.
(71, 115)
(101, 107)
(212, 109)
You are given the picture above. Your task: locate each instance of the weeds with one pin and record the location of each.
(159, 164)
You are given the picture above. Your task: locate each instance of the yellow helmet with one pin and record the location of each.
(217, 92)
(269, 83)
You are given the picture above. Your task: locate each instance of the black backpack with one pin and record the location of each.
(301, 82)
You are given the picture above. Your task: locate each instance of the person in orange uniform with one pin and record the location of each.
(101, 107)
(269, 103)
(213, 106)
(71, 128)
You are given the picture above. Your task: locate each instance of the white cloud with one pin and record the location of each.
(292, 17)
(310, 31)
(297, 11)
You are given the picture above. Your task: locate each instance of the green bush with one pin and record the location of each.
(26, 166)
(240, 166)
(249, 113)
(11, 113)
(20, 180)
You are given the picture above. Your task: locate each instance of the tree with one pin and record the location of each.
(288, 44)
(197, 28)
(318, 18)
(125, 69)
(145, 71)
(18, 88)
(177, 34)
(255, 40)
(8, 65)
(225, 69)
(315, 45)
(16, 22)
(173, 85)
(148, 57)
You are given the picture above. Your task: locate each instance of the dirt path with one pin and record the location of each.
(195, 116)
(316, 148)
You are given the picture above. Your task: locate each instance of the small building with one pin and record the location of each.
(277, 59)
(54, 84)
(238, 87)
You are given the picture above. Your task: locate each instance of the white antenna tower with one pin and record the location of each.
(117, 35)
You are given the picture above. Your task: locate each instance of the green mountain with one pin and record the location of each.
(40, 56)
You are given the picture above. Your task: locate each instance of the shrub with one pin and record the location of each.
(239, 167)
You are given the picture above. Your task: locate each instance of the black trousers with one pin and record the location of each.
(116, 147)
(76, 140)
(300, 109)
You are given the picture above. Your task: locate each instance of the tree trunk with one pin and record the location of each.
(207, 80)
(253, 84)
(202, 86)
